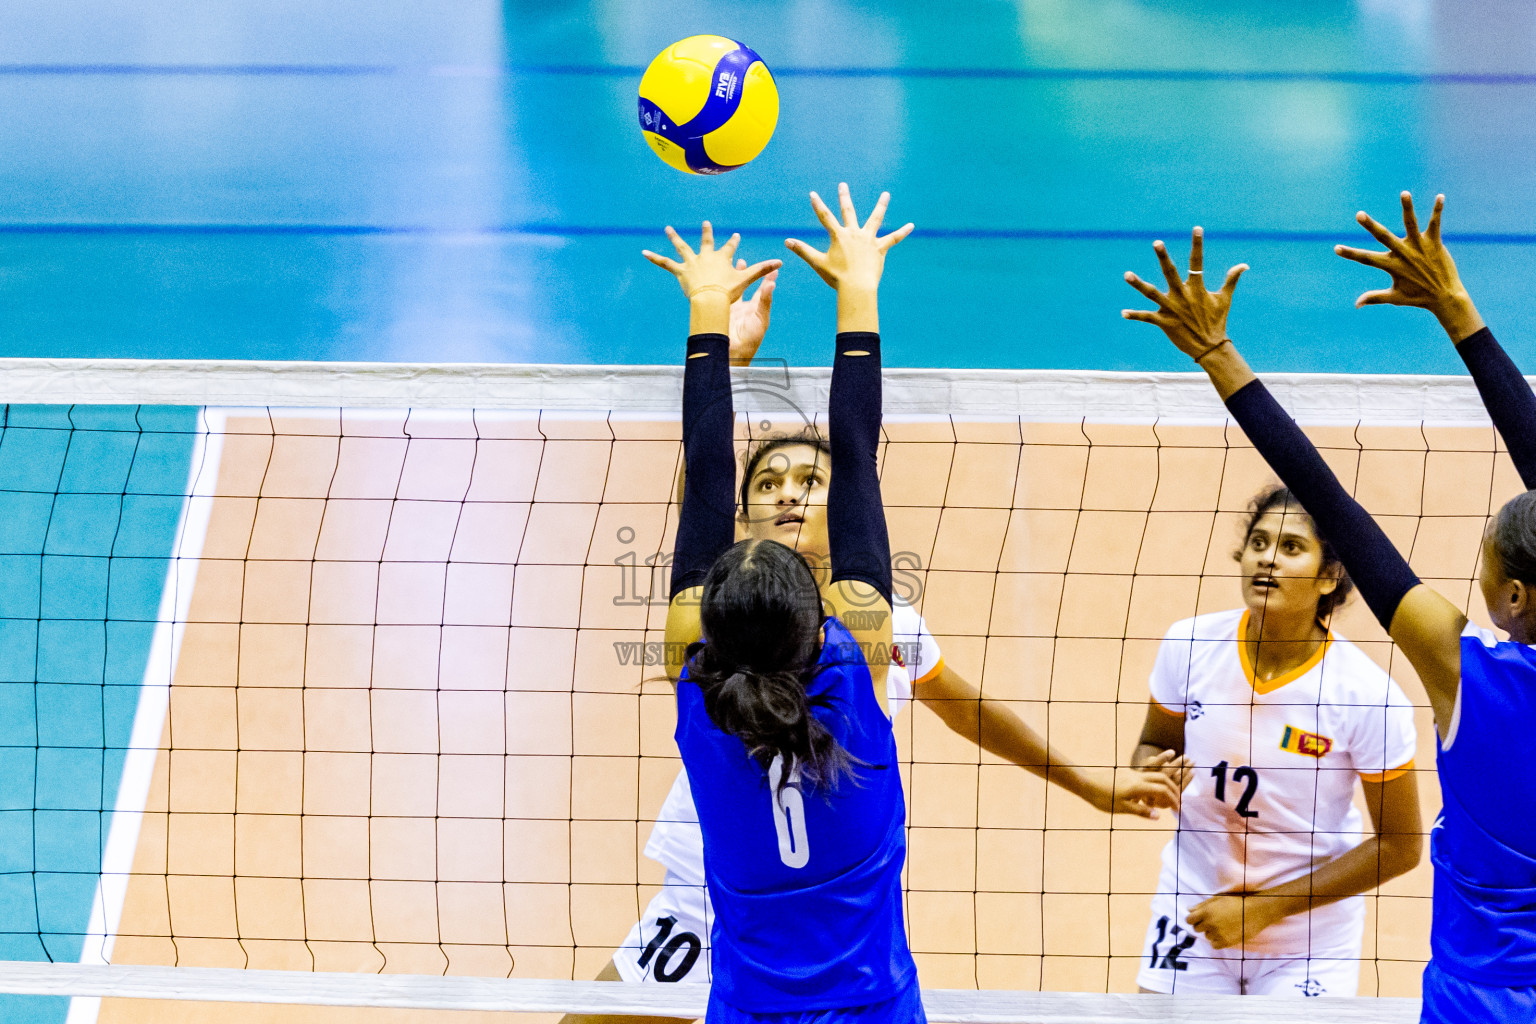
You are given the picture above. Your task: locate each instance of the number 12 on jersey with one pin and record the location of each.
(1245, 773)
(789, 815)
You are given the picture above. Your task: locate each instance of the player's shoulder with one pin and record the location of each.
(1210, 626)
(1350, 677)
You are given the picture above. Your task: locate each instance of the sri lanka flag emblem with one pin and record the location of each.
(1308, 743)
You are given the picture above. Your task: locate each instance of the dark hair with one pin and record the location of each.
(1277, 497)
(1514, 537)
(768, 445)
(761, 618)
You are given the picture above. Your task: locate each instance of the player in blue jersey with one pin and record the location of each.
(1482, 689)
(782, 722)
(783, 497)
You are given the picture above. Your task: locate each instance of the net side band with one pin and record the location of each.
(1037, 395)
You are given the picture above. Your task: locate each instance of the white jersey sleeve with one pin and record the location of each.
(916, 656)
(1383, 739)
(1170, 680)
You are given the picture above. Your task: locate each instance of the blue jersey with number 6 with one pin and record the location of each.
(1483, 938)
(805, 879)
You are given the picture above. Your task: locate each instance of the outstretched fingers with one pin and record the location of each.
(684, 250)
(1197, 251)
(707, 237)
(1379, 297)
(1410, 219)
(814, 257)
(1379, 233)
(1230, 284)
(845, 201)
(670, 266)
(877, 215)
(1145, 316)
(1146, 289)
(1170, 271)
(1378, 260)
(1434, 219)
(894, 238)
(757, 271)
(823, 214)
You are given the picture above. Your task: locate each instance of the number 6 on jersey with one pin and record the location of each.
(789, 815)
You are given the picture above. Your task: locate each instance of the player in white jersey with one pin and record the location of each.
(1278, 716)
(784, 498)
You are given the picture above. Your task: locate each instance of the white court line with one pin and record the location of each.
(154, 701)
(535, 995)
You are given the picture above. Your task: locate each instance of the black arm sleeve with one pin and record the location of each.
(1507, 397)
(706, 526)
(1373, 563)
(861, 548)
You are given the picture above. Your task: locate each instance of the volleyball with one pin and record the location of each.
(708, 105)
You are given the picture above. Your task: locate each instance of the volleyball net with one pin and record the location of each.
(346, 671)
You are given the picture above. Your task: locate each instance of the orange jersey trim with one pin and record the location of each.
(1387, 776)
(931, 673)
(1166, 711)
(1271, 685)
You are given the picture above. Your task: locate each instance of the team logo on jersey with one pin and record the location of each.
(1308, 743)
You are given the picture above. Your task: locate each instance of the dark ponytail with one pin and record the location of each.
(1514, 537)
(761, 617)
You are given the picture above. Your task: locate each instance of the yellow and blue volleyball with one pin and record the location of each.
(708, 105)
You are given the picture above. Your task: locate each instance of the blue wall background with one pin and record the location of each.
(462, 180)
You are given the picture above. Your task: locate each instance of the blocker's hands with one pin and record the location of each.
(749, 318)
(1423, 273)
(1193, 318)
(855, 256)
(711, 269)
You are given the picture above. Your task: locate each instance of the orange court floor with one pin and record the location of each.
(401, 737)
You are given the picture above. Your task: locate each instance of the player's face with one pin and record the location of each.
(787, 500)
(1280, 566)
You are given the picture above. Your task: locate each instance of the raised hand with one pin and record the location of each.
(710, 270)
(855, 256)
(1423, 273)
(749, 319)
(1194, 318)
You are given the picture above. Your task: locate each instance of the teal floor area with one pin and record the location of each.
(466, 181)
(89, 502)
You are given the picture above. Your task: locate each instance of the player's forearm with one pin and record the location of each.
(1378, 570)
(858, 309)
(705, 525)
(993, 727)
(1374, 862)
(1144, 753)
(709, 312)
(1504, 392)
(857, 536)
